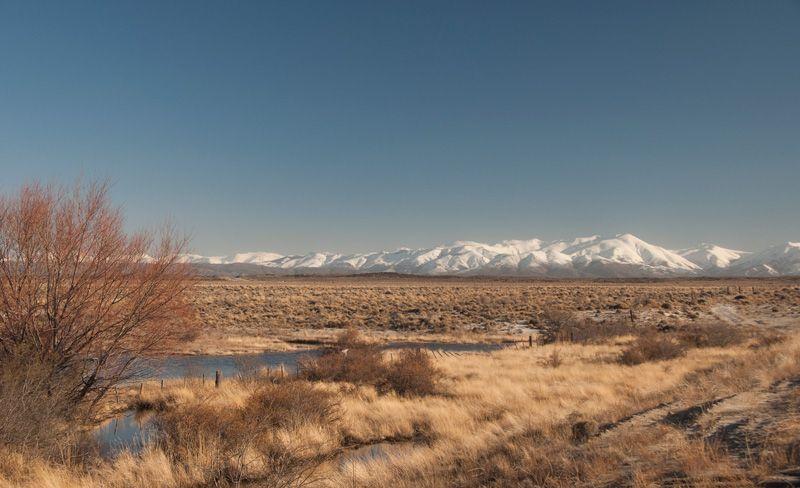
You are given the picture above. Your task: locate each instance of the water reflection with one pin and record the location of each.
(130, 431)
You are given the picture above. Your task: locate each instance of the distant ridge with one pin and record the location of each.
(620, 256)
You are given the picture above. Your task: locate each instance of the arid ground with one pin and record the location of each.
(669, 383)
(240, 315)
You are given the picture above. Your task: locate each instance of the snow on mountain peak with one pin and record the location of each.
(710, 256)
(780, 260)
(619, 255)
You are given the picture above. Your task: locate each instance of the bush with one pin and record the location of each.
(712, 335)
(93, 297)
(352, 360)
(556, 325)
(564, 326)
(768, 339)
(411, 374)
(291, 404)
(554, 360)
(252, 442)
(37, 411)
(358, 364)
(651, 347)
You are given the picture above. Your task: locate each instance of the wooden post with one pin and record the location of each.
(632, 316)
(281, 370)
(530, 341)
(162, 383)
(204, 379)
(140, 388)
(217, 378)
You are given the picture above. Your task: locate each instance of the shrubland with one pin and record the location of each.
(502, 418)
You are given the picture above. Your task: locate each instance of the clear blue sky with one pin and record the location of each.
(350, 126)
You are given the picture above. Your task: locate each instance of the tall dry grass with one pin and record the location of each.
(505, 418)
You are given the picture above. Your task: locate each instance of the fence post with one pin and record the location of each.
(530, 341)
(204, 379)
(217, 378)
(162, 383)
(140, 388)
(281, 370)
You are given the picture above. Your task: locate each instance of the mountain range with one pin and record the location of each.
(620, 256)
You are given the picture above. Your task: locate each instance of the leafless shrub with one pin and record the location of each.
(412, 373)
(351, 338)
(712, 335)
(36, 408)
(352, 360)
(248, 368)
(556, 325)
(358, 364)
(235, 445)
(81, 294)
(294, 403)
(583, 430)
(768, 339)
(651, 347)
(564, 326)
(554, 360)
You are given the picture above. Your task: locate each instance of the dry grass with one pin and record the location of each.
(507, 419)
(509, 409)
(278, 313)
(561, 414)
(276, 437)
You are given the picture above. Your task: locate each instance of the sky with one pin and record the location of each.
(355, 126)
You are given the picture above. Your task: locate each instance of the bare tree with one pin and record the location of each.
(81, 295)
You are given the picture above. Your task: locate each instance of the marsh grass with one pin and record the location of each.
(507, 418)
(257, 441)
(652, 347)
(409, 372)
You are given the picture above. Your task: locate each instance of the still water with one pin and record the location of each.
(131, 431)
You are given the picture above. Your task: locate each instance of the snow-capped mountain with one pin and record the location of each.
(780, 260)
(623, 255)
(263, 258)
(710, 257)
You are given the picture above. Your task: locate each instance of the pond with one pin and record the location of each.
(131, 430)
(199, 365)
